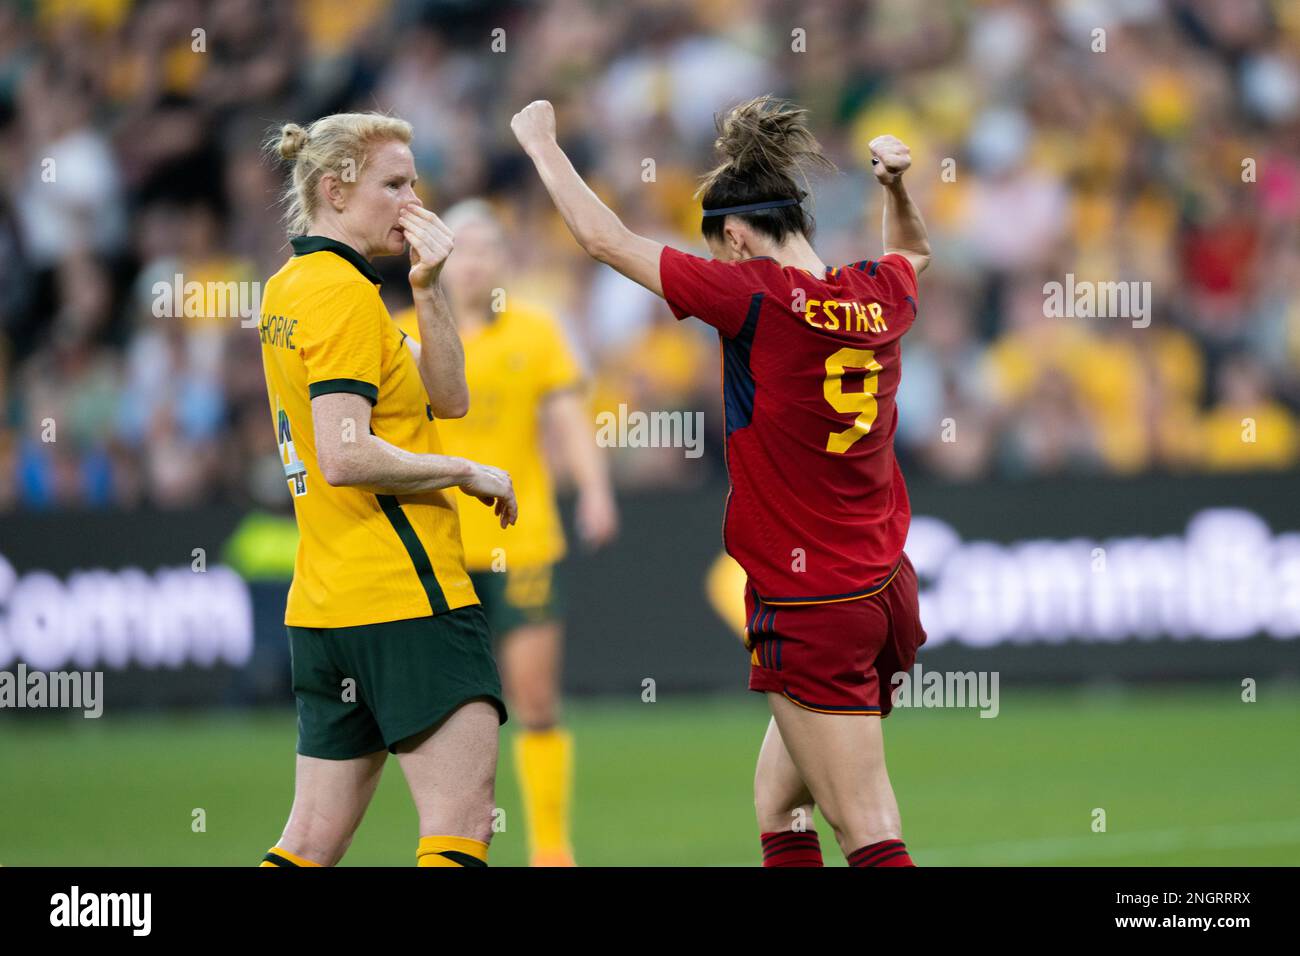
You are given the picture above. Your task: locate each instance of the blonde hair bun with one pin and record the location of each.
(329, 145)
(292, 139)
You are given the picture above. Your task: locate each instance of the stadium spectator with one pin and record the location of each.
(129, 152)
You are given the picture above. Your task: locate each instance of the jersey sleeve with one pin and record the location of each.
(897, 273)
(342, 343)
(717, 293)
(558, 367)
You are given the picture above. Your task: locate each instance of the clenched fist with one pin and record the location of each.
(534, 125)
(890, 158)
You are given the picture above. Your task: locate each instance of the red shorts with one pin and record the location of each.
(836, 658)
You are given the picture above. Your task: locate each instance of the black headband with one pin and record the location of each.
(751, 207)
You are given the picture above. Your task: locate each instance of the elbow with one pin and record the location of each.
(335, 475)
(338, 470)
(918, 254)
(597, 248)
(600, 245)
(454, 407)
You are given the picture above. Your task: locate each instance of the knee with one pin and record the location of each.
(535, 702)
(471, 813)
(776, 811)
(857, 827)
(535, 713)
(477, 822)
(482, 813)
(767, 804)
(319, 847)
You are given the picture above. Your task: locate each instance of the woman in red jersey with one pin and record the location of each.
(818, 512)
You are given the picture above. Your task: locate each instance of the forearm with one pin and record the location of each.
(578, 446)
(594, 225)
(441, 357)
(904, 229)
(374, 465)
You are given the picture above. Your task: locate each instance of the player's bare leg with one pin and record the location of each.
(530, 658)
(782, 801)
(330, 798)
(842, 759)
(530, 673)
(451, 770)
(783, 805)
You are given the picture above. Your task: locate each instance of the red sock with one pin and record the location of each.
(884, 853)
(792, 848)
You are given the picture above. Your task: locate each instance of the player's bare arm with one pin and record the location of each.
(350, 456)
(596, 516)
(442, 364)
(594, 225)
(904, 228)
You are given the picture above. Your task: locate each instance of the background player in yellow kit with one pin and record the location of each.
(525, 385)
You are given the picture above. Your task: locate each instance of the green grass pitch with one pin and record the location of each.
(1187, 776)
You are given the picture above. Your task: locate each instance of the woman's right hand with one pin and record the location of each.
(493, 487)
(534, 125)
(431, 243)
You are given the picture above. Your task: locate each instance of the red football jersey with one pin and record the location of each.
(810, 366)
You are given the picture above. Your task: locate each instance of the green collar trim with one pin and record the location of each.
(306, 245)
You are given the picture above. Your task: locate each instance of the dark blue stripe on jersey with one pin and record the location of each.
(913, 304)
(737, 379)
(879, 585)
(872, 270)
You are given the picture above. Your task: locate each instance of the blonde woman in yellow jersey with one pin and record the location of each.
(390, 647)
(524, 382)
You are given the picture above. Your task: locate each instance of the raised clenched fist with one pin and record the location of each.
(534, 125)
(890, 158)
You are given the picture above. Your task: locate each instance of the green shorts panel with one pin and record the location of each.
(363, 689)
(519, 596)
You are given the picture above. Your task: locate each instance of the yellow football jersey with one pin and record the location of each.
(363, 558)
(511, 364)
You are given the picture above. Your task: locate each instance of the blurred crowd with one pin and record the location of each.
(1149, 141)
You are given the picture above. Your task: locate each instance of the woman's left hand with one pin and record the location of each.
(890, 158)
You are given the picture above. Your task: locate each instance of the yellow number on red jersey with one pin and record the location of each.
(863, 402)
